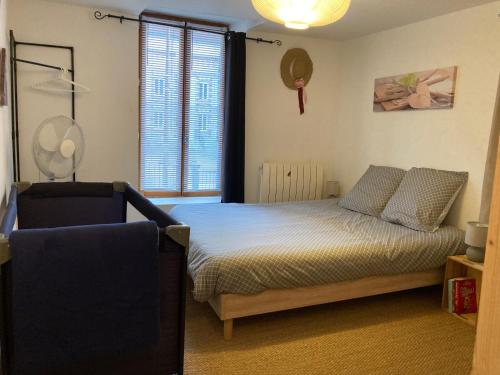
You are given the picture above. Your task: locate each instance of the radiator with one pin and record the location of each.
(284, 182)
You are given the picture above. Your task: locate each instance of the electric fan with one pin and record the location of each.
(58, 147)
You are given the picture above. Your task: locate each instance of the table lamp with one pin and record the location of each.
(476, 236)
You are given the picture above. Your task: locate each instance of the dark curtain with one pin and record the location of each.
(233, 162)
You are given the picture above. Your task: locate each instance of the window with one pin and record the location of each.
(159, 120)
(159, 86)
(204, 122)
(182, 96)
(202, 90)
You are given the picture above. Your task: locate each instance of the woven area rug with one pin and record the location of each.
(399, 333)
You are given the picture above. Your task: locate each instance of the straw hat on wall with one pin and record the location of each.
(295, 65)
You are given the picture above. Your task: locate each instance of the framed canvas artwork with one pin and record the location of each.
(431, 89)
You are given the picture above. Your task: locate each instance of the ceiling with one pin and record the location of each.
(364, 17)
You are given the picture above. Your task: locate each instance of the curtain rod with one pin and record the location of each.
(100, 16)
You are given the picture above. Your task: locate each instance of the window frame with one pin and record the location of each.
(201, 23)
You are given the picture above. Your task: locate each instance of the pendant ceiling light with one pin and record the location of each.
(300, 14)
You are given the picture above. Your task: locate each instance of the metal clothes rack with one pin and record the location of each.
(100, 16)
(14, 60)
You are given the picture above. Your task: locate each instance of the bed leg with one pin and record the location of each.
(228, 329)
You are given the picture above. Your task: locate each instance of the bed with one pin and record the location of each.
(248, 259)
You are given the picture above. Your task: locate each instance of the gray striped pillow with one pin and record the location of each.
(373, 190)
(424, 198)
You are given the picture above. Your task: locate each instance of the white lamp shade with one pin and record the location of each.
(332, 188)
(476, 234)
(300, 14)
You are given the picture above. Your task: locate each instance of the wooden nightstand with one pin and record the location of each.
(460, 266)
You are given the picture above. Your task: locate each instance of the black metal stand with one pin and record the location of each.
(14, 91)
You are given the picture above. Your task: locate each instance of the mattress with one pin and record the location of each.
(248, 248)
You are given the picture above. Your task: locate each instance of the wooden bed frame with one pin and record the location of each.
(232, 306)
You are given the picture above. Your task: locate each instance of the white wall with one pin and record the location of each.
(454, 139)
(5, 134)
(339, 127)
(106, 61)
(274, 128)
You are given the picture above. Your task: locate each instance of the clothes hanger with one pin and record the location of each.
(60, 84)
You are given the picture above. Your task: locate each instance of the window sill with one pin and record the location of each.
(173, 201)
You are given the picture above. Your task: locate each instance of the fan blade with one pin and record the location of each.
(43, 159)
(47, 138)
(60, 166)
(63, 124)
